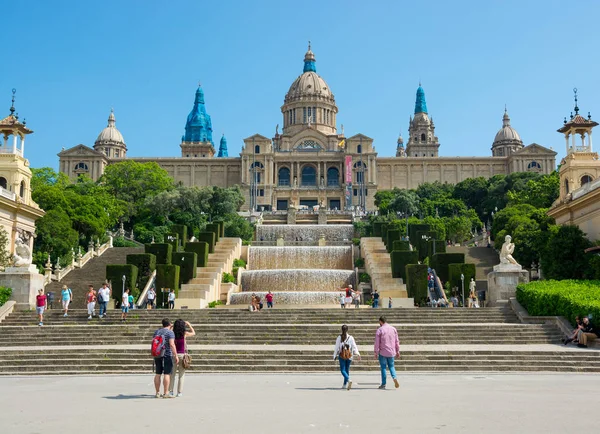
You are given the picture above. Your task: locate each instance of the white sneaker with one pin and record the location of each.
(65, 315)
(179, 395)
(90, 317)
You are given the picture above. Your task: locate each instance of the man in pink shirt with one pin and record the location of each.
(387, 347)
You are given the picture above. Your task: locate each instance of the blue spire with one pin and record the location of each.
(309, 60)
(223, 147)
(198, 127)
(420, 104)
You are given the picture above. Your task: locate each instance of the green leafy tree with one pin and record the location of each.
(55, 236)
(540, 192)
(238, 227)
(384, 198)
(435, 191)
(564, 255)
(473, 193)
(4, 248)
(458, 229)
(405, 201)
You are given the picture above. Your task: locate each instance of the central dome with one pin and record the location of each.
(507, 133)
(110, 135)
(309, 84)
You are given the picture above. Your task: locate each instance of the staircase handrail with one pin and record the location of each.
(437, 285)
(143, 298)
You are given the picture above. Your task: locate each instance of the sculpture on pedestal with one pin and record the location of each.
(506, 252)
(22, 254)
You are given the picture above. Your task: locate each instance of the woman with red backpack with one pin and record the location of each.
(345, 350)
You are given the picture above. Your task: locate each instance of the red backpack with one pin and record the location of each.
(158, 346)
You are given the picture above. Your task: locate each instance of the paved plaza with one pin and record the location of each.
(428, 403)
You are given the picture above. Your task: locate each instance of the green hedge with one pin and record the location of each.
(402, 246)
(115, 273)
(568, 298)
(182, 231)
(416, 282)
(208, 237)
(400, 259)
(440, 247)
(173, 239)
(214, 227)
(187, 261)
(422, 243)
(201, 249)
(377, 229)
(162, 251)
(384, 230)
(392, 235)
(412, 232)
(167, 276)
(454, 272)
(5, 294)
(440, 261)
(221, 224)
(145, 263)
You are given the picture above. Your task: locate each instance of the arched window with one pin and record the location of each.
(534, 165)
(567, 186)
(3, 183)
(333, 177)
(258, 165)
(284, 177)
(585, 179)
(22, 189)
(423, 137)
(81, 166)
(309, 176)
(359, 149)
(257, 149)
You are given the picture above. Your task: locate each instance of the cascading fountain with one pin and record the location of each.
(303, 275)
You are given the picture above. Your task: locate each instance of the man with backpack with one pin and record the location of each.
(163, 351)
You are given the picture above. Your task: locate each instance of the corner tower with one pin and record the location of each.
(422, 141)
(197, 142)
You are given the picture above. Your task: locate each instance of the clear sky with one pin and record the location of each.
(71, 61)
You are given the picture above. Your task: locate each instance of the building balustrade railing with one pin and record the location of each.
(7, 194)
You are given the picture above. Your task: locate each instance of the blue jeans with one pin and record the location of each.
(103, 305)
(375, 303)
(345, 369)
(389, 363)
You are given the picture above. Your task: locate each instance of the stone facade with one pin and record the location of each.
(310, 162)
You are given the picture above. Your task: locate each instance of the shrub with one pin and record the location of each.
(162, 251)
(200, 248)
(122, 242)
(208, 237)
(182, 231)
(416, 282)
(359, 263)
(401, 245)
(568, 298)
(454, 272)
(187, 261)
(392, 235)
(214, 304)
(412, 232)
(167, 276)
(145, 263)
(356, 241)
(239, 263)
(440, 261)
(400, 259)
(173, 239)
(214, 228)
(440, 247)
(364, 278)
(115, 273)
(423, 239)
(228, 278)
(5, 294)
(377, 229)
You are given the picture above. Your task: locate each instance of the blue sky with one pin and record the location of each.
(71, 61)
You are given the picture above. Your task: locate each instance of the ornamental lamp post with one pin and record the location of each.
(123, 292)
(462, 281)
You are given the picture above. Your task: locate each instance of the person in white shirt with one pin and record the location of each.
(172, 299)
(151, 297)
(103, 298)
(125, 305)
(345, 350)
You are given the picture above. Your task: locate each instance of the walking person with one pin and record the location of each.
(164, 353)
(389, 302)
(131, 299)
(151, 297)
(387, 347)
(41, 303)
(103, 298)
(345, 350)
(172, 299)
(125, 305)
(343, 300)
(375, 300)
(90, 299)
(182, 330)
(66, 296)
(269, 298)
(356, 299)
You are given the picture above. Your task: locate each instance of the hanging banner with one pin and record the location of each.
(348, 169)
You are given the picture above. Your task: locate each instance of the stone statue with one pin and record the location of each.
(22, 255)
(472, 286)
(277, 130)
(507, 250)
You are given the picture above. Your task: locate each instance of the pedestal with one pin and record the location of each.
(503, 281)
(291, 216)
(322, 219)
(25, 283)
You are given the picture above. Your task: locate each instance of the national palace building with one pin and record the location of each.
(310, 162)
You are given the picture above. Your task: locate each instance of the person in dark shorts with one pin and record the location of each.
(164, 365)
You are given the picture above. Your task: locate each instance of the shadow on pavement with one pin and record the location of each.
(129, 397)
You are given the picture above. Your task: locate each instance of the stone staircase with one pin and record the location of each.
(92, 273)
(379, 266)
(206, 287)
(290, 340)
